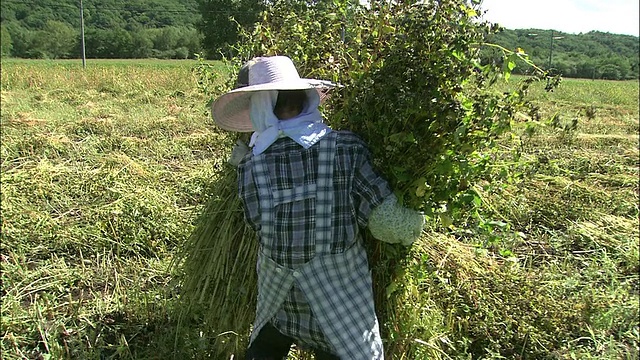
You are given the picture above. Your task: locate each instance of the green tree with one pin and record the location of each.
(586, 69)
(55, 40)
(108, 44)
(191, 40)
(21, 39)
(122, 44)
(623, 65)
(7, 15)
(141, 43)
(181, 53)
(221, 19)
(5, 45)
(610, 72)
(174, 21)
(96, 43)
(167, 38)
(572, 50)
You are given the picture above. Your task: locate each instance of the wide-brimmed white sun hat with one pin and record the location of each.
(231, 110)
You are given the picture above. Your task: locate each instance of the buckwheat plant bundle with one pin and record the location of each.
(416, 90)
(218, 266)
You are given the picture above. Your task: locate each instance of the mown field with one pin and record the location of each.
(105, 170)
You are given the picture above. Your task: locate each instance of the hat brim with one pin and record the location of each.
(231, 110)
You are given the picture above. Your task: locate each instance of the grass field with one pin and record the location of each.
(104, 171)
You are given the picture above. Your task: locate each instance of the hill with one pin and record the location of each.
(168, 29)
(590, 55)
(113, 28)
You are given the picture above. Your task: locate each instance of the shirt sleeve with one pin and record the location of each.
(369, 189)
(248, 194)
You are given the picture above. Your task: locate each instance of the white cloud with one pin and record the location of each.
(571, 16)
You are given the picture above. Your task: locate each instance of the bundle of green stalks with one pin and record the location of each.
(432, 134)
(220, 283)
(411, 303)
(218, 262)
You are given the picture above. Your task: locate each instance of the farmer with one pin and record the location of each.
(308, 191)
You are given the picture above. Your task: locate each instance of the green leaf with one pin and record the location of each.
(393, 287)
(422, 187)
(497, 223)
(459, 133)
(446, 220)
(458, 55)
(387, 29)
(401, 174)
(477, 201)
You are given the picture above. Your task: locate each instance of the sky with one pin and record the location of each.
(569, 16)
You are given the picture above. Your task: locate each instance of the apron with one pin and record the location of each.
(337, 287)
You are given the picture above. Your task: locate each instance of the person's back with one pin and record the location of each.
(294, 170)
(308, 191)
(307, 206)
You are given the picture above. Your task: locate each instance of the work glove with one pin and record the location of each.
(392, 223)
(240, 149)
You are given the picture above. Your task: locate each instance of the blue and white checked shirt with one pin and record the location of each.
(307, 206)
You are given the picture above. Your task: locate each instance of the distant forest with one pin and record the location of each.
(177, 29)
(113, 28)
(596, 55)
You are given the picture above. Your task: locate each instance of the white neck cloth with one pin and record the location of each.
(305, 129)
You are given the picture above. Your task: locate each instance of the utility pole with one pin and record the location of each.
(551, 48)
(84, 60)
(550, 51)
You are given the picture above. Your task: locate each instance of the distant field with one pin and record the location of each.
(104, 171)
(99, 62)
(607, 94)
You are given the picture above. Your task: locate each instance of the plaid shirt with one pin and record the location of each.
(307, 206)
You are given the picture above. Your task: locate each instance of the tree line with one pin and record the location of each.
(113, 29)
(179, 29)
(592, 55)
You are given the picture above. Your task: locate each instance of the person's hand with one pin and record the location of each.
(240, 149)
(394, 224)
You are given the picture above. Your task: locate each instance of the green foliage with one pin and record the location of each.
(174, 42)
(55, 40)
(105, 13)
(593, 55)
(442, 130)
(413, 88)
(221, 20)
(6, 43)
(21, 39)
(113, 29)
(165, 43)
